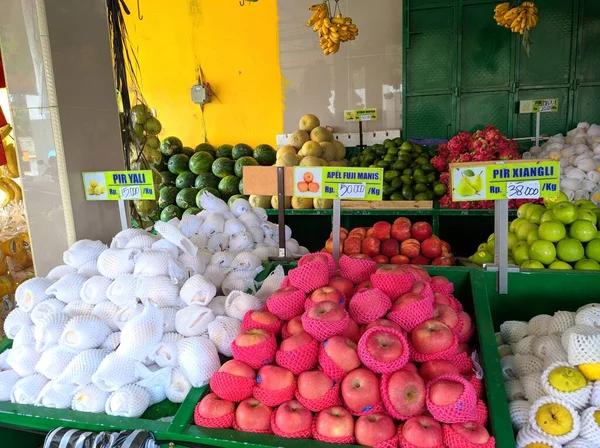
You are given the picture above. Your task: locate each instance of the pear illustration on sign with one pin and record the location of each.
(471, 184)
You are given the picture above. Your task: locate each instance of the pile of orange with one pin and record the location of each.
(308, 184)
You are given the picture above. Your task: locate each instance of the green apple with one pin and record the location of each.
(565, 212)
(569, 250)
(560, 265)
(511, 261)
(535, 213)
(548, 216)
(583, 230)
(522, 210)
(542, 251)
(551, 202)
(587, 215)
(520, 252)
(512, 240)
(481, 256)
(524, 229)
(514, 224)
(492, 237)
(491, 246)
(482, 246)
(587, 265)
(533, 236)
(552, 231)
(592, 250)
(532, 264)
(584, 203)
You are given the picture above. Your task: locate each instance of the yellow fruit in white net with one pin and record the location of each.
(591, 370)
(537, 445)
(597, 417)
(554, 419)
(567, 379)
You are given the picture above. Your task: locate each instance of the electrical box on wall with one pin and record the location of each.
(200, 94)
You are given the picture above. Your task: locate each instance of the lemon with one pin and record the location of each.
(93, 183)
(567, 379)
(554, 419)
(90, 190)
(591, 371)
(98, 190)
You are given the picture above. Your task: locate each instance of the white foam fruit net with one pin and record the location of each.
(141, 242)
(89, 269)
(222, 258)
(89, 398)
(192, 264)
(217, 305)
(56, 396)
(590, 429)
(215, 274)
(113, 263)
(54, 361)
(142, 333)
(235, 282)
(240, 206)
(200, 240)
(578, 442)
(198, 290)
(45, 308)
(8, 378)
(174, 235)
(583, 345)
(532, 387)
(32, 292)
(26, 390)
(168, 247)
(178, 387)
(121, 239)
(107, 312)
(543, 346)
(112, 341)
(513, 331)
(59, 272)
(154, 379)
(246, 261)
(578, 398)
(114, 372)
(233, 226)
(193, 320)
(78, 307)
(82, 252)
(48, 332)
(523, 347)
(199, 359)
(514, 390)
(3, 359)
(239, 303)
(24, 337)
(588, 316)
(595, 397)
(84, 332)
(554, 400)
(81, 368)
(258, 237)
(508, 367)
(15, 321)
(169, 314)
(222, 331)
(160, 290)
(519, 413)
(217, 242)
(190, 225)
(165, 353)
(528, 364)
(213, 224)
(242, 241)
(561, 320)
(67, 289)
(23, 360)
(538, 325)
(528, 436)
(250, 219)
(121, 291)
(128, 401)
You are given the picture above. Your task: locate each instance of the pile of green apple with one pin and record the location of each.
(556, 235)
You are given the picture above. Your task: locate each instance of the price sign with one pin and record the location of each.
(117, 185)
(535, 106)
(339, 183)
(360, 115)
(523, 179)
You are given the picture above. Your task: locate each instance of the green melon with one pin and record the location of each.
(167, 178)
(223, 167)
(191, 211)
(185, 180)
(178, 163)
(167, 196)
(241, 186)
(186, 198)
(205, 180)
(201, 162)
(232, 199)
(241, 163)
(241, 150)
(206, 147)
(265, 155)
(170, 212)
(212, 190)
(224, 151)
(171, 146)
(229, 186)
(188, 151)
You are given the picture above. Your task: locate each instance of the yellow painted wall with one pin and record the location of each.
(238, 50)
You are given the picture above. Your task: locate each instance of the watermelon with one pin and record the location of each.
(211, 190)
(186, 198)
(171, 146)
(167, 196)
(232, 199)
(178, 163)
(206, 180)
(170, 212)
(185, 180)
(265, 155)
(206, 147)
(241, 186)
(224, 151)
(223, 167)
(201, 162)
(188, 151)
(241, 150)
(191, 211)
(229, 186)
(241, 163)
(167, 178)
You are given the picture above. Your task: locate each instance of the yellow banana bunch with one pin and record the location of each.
(499, 11)
(320, 12)
(332, 31)
(517, 19)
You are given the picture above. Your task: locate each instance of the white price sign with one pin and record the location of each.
(365, 117)
(523, 190)
(352, 191)
(133, 192)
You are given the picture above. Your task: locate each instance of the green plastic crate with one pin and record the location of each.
(529, 294)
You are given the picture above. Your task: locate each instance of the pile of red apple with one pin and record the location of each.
(399, 243)
(367, 355)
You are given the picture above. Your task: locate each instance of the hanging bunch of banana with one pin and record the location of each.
(333, 30)
(519, 18)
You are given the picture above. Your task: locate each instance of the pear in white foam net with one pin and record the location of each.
(199, 359)
(23, 360)
(8, 378)
(59, 272)
(81, 368)
(67, 289)
(32, 292)
(26, 390)
(82, 252)
(160, 290)
(94, 289)
(114, 372)
(198, 290)
(113, 263)
(48, 332)
(84, 332)
(89, 398)
(142, 333)
(54, 361)
(128, 401)
(45, 308)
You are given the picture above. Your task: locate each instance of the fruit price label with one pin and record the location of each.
(535, 106)
(523, 179)
(339, 183)
(118, 185)
(360, 115)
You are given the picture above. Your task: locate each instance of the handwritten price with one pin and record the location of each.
(128, 193)
(523, 190)
(352, 191)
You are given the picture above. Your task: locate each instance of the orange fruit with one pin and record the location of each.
(313, 187)
(302, 186)
(308, 177)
